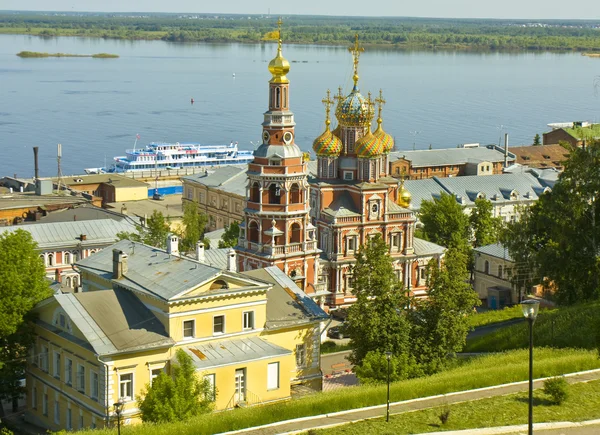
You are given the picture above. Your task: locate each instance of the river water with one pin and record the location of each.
(95, 107)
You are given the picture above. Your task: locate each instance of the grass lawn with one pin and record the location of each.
(583, 404)
(479, 372)
(332, 347)
(495, 316)
(577, 326)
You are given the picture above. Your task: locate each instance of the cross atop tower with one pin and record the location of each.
(380, 102)
(279, 23)
(340, 96)
(355, 50)
(328, 101)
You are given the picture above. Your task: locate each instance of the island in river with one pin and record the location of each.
(39, 54)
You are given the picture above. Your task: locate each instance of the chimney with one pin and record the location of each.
(119, 264)
(83, 237)
(35, 163)
(57, 276)
(200, 252)
(231, 261)
(505, 150)
(172, 244)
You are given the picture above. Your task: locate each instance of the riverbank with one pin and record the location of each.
(36, 54)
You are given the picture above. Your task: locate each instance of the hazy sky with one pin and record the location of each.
(586, 9)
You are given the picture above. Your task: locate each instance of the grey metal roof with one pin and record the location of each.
(64, 234)
(495, 250)
(154, 271)
(86, 212)
(343, 205)
(227, 352)
(216, 257)
(423, 190)
(450, 156)
(287, 304)
(283, 151)
(214, 237)
(231, 179)
(424, 248)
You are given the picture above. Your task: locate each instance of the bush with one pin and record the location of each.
(374, 368)
(556, 388)
(444, 414)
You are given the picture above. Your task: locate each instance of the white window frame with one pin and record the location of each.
(45, 404)
(80, 419)
(34, 397)
(212, 380)
(154, 376)
(93, 426)
(122, 397)
(80, 380)
(44, 358)
(56, 411)
(56, 364)
(223, 328)
(94, 384)
(69, 418)
(348, 175)
(69, 371)
(300, 355)
(193, 329)
(248, 320)
(272, 378)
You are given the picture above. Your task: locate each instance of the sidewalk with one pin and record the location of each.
(300, 425)
(590, 427)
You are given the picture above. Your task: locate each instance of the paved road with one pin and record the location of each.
(401, 407)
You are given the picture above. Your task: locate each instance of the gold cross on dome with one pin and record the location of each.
(328, 101)
(356, 50)
(380, 102)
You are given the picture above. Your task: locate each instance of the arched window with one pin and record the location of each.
(218, 285)
(295, 236)
(51, 259)
(285, 97)
(253, 232)
(68, 258)
(274, 194)
(44, 259)
(277, 97)
(500, 271)
(255, 192)
(486, 267)
(69, 282)
(271, 101)
(295, 194)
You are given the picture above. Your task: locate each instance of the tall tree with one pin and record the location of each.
(229, 239)
(22, 285)
(444, 221)
(154, 233)
(176, 398)
(440, 322)
(537, 140)
(377, 321)
(559, 236)
(485, 229)
(194, 224)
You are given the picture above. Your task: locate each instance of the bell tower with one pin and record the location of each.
(276, 230)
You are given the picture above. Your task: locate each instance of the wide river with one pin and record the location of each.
(95, 107)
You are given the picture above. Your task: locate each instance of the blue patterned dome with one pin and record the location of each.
(354, 110)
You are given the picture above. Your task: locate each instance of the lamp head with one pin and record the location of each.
(530, 308)
(118, 407)
(388, 355)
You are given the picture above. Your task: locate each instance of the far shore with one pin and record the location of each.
(591, 54)
(39, 54)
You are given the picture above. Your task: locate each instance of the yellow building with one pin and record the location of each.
(254, 335)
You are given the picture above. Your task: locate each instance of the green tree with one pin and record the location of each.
(229, 239)
(377, 321)
(440, 322)
(154, 233)
(485, 229)
(374, 367)
(444, 222)
(194, 224)
(176, 398)
(22, 285)
(537, 140)
(557, 240)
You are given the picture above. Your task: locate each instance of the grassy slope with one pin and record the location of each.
(480, 372)
(575, 327)
(582, 404)
(495, 316)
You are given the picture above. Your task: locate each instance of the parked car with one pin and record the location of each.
(339, 314)
(340, 331)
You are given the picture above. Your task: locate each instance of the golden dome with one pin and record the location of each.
(387, 141)
(404, 196)
(279, 67)
(368, 146)
(328, 144)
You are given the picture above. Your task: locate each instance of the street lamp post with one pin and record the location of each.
(388, 355)
(118, 409)
(530, 309)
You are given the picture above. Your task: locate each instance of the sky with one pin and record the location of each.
(525, 9)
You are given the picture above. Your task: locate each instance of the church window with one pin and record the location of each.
(295, 194)
(486, 267)
(253, 232)
(277, 97)
(274, 194)
(396, 241)
(295, 236)
(255, 192)
(285, 97)
(272, 102)
(348, 175)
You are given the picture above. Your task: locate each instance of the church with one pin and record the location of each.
(311, 226)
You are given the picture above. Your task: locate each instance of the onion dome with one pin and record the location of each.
(354, 110)
(279, 67)
(368, 146)
(328, 144)
(387, 141)
(404, 196)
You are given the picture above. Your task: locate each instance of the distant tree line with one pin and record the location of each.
(402, 33)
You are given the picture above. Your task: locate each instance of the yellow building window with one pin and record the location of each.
(248, 318)
(273, 376)
(126, 386)
(218, 325)
(189, 327)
